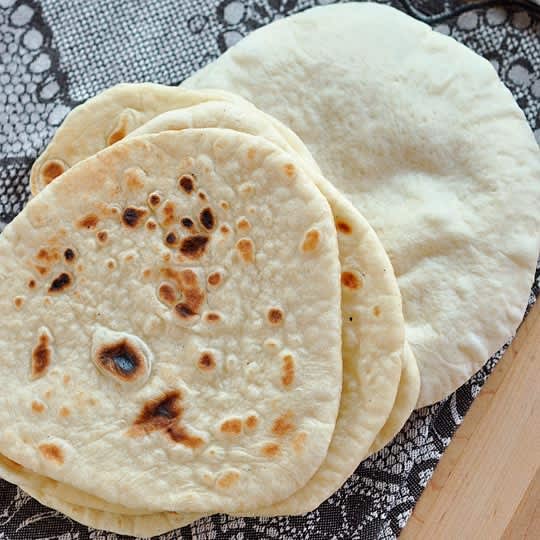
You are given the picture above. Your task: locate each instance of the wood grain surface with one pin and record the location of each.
(487, 484)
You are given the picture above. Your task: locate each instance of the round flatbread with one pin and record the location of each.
(177, 304)
(421, 135)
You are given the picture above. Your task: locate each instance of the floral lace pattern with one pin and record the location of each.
(56, 53)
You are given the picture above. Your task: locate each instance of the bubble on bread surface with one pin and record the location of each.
(164, 414)
(52, 452)
(284, 424)
(287, 370)
(231, 426)
(89, 221)
(351, 280)
(50, 170)
(207, 361)
(343, 227)
(120, 356)
(246, 250)
(311, 240)
(207, 218)
(275, 316)
(42, 354)
(154, 199)
(194, 247)
(133, 217)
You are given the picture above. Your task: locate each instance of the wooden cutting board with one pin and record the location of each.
(487, 484)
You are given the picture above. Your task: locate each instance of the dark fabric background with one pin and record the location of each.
(55, 54)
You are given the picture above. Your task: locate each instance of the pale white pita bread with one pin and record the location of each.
(428, 144)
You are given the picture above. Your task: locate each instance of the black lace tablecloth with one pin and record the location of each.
(56, 53)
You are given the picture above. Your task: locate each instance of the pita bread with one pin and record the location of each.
(127, 335)
(420, 134)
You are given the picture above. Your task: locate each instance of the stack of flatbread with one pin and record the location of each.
(223, 297)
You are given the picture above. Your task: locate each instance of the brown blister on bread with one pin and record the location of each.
(41, 355)
(287, 370)
(171, 239)
(351, 280)
(207, 218)
(62, 282)
(202, 195)
(224, 205)
(187, 222)
(284, 424)
(41, 270)
(376, 311)
(133, 217)
(64, 412)
(193, 247)
(52, 452)
(290, 170)
(167, 294)
(311, 241)
(111, 264)
(275, 316)
(102, 236)
(228, 479)
(173, 275)
(186, 183)
(188, 285)
(37, 406)
(154, 200)
(251, 421)
(123, 360)
(185, 312)
(343, 227)
(18, 301)
(243, 224)
(32, 284)
(194, 298)
(164, 414)
(89, 221)
(225, 229)
(50, 170)
(151, 225)
(207, 361)
(246, 250)
(232, 426)
(215, 279)
(120, 129)
(169, 214)
(69, 255)
(48, 256)
(271, 450)
(212, 317)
